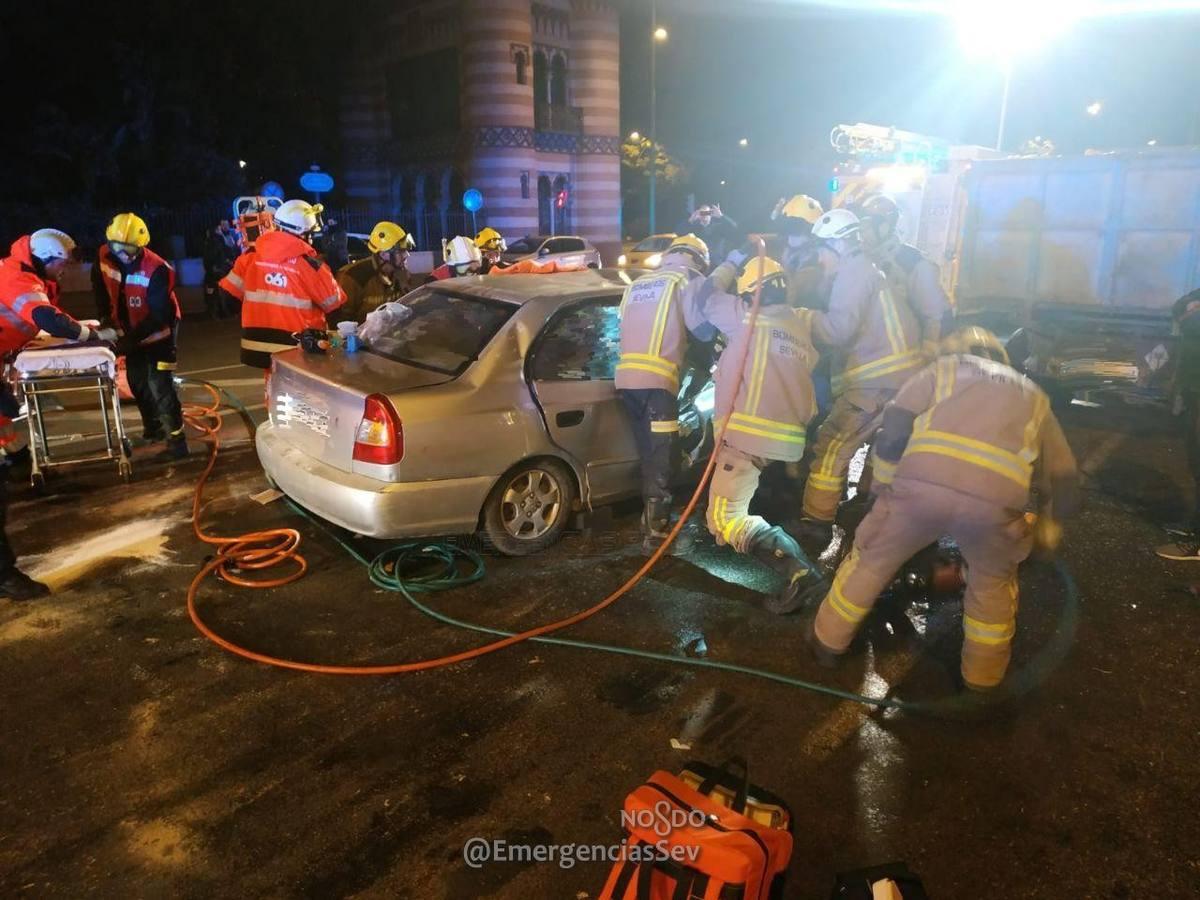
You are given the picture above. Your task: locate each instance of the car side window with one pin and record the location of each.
(581, 344)
(566, 245)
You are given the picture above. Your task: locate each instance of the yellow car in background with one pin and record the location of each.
(647, 253)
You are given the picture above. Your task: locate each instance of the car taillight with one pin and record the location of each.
(380, 437)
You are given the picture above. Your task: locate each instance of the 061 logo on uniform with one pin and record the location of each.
(276, 279)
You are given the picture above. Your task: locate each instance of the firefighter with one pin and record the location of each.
(795, 218)
(283, 285)
(1186, 317)
(914, 278)
(134, 289)
(962, 444)
(28, 303)
(491, 244)
(876, 342)
(462, 258)
(381, 277)
(767, 421)
(656, 317)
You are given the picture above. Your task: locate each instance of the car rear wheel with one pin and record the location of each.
(527, 510)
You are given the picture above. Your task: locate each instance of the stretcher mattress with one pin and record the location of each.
(66, 360)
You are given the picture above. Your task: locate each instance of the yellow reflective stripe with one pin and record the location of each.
(823, 482)
(726, 524)
(829, 460)
(987, 632)
(883, 470)
(762, 340)
(643, 367)
(650, 358)
(773, 435)
(945, 374)
(977, 453)
(891, 322)
(884, 366)
(851, 612)
(664, 426)
(166, 366)
(1029, 449)
(769, 423)
(674, 283)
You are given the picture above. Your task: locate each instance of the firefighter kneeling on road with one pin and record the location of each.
(134, 289)
(657, 314)
(381, 277)
(767, 421)
(28, 304)
(284, 286)
(962, 445)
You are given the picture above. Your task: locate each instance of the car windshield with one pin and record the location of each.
(653, 245)
(443, 332)
(525, 245)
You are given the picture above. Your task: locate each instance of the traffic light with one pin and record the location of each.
(561, 200)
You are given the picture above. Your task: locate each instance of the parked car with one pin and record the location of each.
(356, 246)
(563, 249)
(491, 407)
(647, 253)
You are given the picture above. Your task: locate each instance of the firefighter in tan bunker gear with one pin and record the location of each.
(876, 344)
(765, 421)
(656, 318)
(962, 445)
(914, 277)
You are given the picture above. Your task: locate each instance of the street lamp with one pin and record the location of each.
(1095, 108)
(1001, 31)
(660, 34)
(744, 142)
(241, 164)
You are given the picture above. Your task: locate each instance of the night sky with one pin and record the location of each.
(155, 103)
(782, 73)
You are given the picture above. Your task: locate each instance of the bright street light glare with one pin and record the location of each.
(1094, 109)
(660, 34)
(241, 164)
(723, 180)
(999, 32)
(1152, 143)
(744, 142)
(634, 136)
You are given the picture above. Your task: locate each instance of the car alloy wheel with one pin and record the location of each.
(531, 504)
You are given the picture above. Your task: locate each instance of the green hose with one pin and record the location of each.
(438, 569)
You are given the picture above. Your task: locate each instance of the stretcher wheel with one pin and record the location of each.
(126, 471)
(38, 482)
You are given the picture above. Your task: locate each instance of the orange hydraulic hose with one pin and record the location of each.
(260, 550)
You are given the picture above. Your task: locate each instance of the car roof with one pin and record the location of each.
(521, 289)
(541, 238)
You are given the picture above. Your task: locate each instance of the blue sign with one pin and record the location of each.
(272, 189)
(317, 182)
(472, 200)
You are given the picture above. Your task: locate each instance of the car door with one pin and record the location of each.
(568, 251)
(571, 366)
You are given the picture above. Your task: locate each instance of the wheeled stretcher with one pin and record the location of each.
(66, 369)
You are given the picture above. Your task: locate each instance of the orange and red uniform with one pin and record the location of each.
(285, 288)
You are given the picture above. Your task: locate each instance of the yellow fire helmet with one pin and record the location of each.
(689, 243)
(803, 207)
(491, 239)
(765, 271)
(975, 341)
(387, 236)
(128, 228)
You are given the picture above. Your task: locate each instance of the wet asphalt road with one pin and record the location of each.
(139, 759)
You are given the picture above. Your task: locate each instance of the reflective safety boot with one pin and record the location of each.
(656, 526)
(778, 550)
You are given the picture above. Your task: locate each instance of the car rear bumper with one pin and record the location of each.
(368, 506)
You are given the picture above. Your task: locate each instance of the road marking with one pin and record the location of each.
(850, 715)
